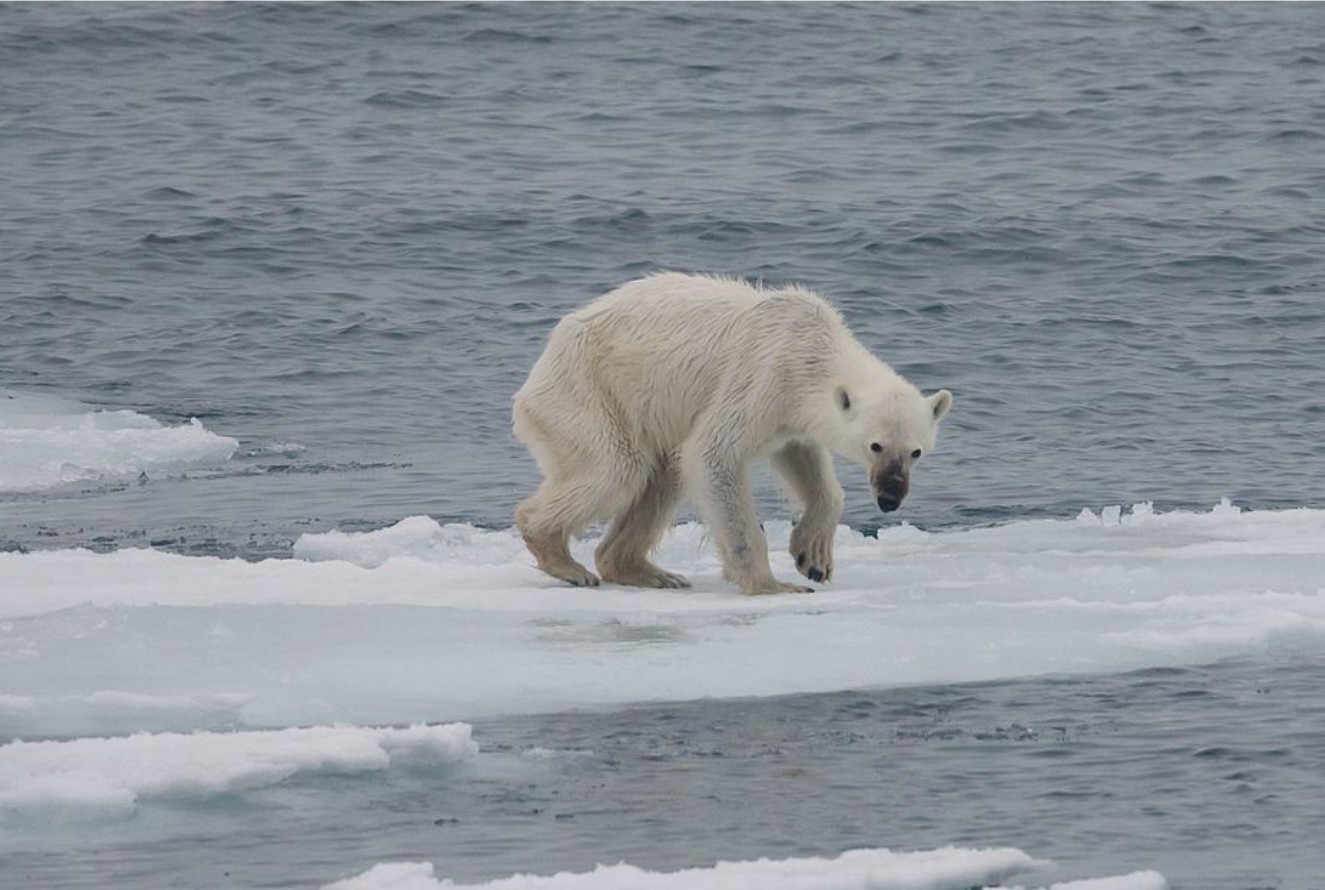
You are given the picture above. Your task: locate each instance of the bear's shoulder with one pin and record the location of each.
(798, 309)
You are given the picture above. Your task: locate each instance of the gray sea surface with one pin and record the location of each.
(349, 227)
(1215, 776)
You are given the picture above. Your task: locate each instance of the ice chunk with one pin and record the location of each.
(1140, 880)
(946, 869)
(46, 442)
(89, 777)
(419, 537)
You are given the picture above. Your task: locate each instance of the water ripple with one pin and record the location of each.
(352, 226)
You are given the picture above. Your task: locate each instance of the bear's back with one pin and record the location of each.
(677, 314)
(662, 347)
(668, 299)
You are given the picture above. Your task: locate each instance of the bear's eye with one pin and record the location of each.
(915, 455)
(876, 448)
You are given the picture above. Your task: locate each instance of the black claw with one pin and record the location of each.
(800, 560)
(815, 574)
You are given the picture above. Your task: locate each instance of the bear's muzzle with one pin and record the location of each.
(890, 484)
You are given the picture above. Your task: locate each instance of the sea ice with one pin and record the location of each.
(439, 623)
(945, 869)
(93, 778)
(949, 868)
(46, 442)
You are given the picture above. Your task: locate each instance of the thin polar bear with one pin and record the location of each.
(672, 385)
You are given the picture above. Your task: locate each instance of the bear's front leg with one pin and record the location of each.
(812, 547)
(807, 469)
(717, 476)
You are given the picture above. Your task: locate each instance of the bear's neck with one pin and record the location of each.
(856, 367)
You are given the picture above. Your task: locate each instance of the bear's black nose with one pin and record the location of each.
(888, 504)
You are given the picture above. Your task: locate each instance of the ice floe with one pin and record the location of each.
(421, 621)
(47, 442)
(949, 868)
(96, 778)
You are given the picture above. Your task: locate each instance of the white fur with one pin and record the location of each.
(676, 383)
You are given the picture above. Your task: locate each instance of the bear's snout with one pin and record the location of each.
(890, 486)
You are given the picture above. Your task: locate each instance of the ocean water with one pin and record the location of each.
(270, 273)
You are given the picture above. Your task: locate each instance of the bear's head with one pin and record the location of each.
(886, 430)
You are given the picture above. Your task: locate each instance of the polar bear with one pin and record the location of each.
(674, 384)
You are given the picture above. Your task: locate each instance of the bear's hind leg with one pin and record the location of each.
(548, 519)
(572, 494)
(623, 555)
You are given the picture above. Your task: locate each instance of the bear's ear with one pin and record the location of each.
(843, 398)
(940, 403)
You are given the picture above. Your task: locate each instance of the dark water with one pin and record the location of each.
(1214, 776)
(351, 226)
